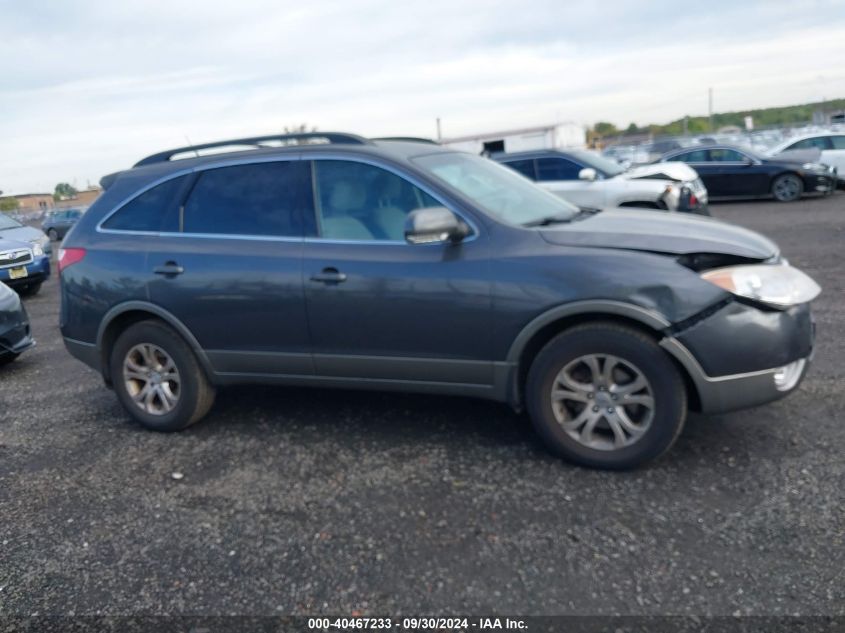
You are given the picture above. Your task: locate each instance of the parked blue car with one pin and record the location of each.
(58, 223)
(23, 266)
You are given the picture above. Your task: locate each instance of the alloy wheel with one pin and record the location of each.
(602, 401)
(151, 379)
(787, 188)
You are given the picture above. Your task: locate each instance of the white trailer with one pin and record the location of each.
(558, 136)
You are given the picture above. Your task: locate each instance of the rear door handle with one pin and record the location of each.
(169, 269)
(329, 276)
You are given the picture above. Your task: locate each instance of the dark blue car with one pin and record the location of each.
(331, 260)
(15, 335)
(24, 266)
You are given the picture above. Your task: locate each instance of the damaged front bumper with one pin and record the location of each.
(742, 356)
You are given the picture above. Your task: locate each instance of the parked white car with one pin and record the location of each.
(589, 180)
(830, 145)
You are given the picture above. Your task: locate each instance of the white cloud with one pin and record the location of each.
(94, 85)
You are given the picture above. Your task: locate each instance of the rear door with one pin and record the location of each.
(737, 174)
(229, 266)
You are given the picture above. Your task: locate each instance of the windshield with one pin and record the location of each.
(599, 163)
(497, 190)
(8, 223)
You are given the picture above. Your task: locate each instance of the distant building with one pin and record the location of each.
(81, 199)
(34, 204)
(556, 136)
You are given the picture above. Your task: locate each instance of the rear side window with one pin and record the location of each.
(557, 169)
(262, 199)
(723, 155)
(524, 167)
(838, 142)
(698, 156)
(152, 211)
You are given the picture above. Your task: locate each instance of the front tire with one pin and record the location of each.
(605, 396)
(29, 289)
(7, 359)
(787, 188)
(158, 379)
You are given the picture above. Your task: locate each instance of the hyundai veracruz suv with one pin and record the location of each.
(407, 266)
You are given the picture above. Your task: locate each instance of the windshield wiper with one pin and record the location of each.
(549, 220)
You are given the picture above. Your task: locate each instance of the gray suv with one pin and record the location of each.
(331, 260)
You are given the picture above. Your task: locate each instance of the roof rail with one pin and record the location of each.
(256, 141)
(407, 139)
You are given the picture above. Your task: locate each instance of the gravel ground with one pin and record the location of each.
(316, 501)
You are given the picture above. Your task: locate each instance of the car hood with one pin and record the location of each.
(21, 234)
(673, 170)
(670, 233)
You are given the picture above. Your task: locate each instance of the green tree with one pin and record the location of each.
(63, 191)
(603, 128)
(9, 204)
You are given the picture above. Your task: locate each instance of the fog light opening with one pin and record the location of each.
(788, 376)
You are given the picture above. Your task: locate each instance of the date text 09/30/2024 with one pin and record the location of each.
(418, 624)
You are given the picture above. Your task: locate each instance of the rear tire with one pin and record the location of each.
(578, 387)
(787, 188)
(158, 379)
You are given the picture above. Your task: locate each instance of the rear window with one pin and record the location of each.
(262, 199)
(151, 211)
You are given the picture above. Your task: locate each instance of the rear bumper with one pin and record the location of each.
(86, 352)
(742, 356)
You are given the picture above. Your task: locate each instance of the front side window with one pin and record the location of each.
(838, 142)
(726, 156)
(524, 167)
(361, 202)
(260, 199)
(495, 189)
(152, 211)
(556, 169)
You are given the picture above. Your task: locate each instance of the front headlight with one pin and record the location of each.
(37, 250)
(777, 285)
(814, 167)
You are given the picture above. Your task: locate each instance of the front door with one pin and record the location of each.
(231, 269)
(381, 308)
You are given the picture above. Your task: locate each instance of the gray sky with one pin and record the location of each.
(88, 87)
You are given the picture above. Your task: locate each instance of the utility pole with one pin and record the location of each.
(439, 135)
(710, 107)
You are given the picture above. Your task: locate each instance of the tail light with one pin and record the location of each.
(70, 256)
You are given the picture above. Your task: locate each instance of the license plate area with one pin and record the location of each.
(18, 273)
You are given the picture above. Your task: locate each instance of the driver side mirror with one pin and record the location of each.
(434, 224)
(588, 173)
(747, 160)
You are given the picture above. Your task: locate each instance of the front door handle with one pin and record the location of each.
(329, 276)
(170, 269)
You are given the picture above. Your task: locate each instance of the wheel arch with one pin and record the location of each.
(546, 326)
(122, 316)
